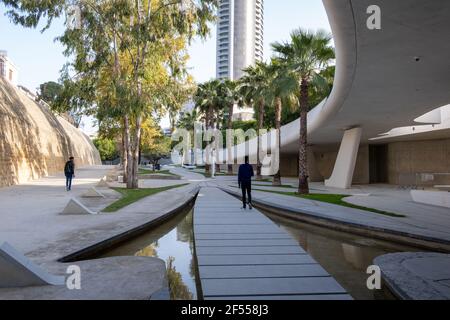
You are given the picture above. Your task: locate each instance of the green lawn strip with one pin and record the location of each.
(272, 186)
(221, 174)
(335, 199)
(149, 171)
(264, 180)
(130, 196)
(202, 173)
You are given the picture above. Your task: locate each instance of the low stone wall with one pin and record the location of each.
(34, 142)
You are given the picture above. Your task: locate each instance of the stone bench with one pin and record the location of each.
(443, 187)
(434, 198)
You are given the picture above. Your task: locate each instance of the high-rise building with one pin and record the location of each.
(240, 36)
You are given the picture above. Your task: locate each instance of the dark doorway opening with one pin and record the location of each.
(378, 163)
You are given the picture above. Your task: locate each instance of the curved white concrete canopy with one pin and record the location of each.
(391, 76)
(438, 128)
(384, 78)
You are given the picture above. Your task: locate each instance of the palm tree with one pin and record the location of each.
(305, 56)
(254, 89)
(187, 120)
(206, 100)
(283, 88)
(229, 97)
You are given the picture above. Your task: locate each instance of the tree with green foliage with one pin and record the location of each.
(49, 91)
(107, 148)
(305, 56)
(254, 89)
(154, 144)
(229, 97)
(187, 120)
(282, 91)
(117, 45)
(207, 101)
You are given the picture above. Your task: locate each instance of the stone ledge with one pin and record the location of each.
(416, 276)
(119, 278)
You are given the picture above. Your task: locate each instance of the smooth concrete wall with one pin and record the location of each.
(34, 142)
(409, 160)
(324, 165)
(289, 165)
(327, 159)
(409, 163)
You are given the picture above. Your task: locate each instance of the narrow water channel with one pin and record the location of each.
(345, 256)
(172, 242)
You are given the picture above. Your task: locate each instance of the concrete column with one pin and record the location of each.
(345, 163)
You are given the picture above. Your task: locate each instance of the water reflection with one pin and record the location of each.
(173, 243)
(345, 256)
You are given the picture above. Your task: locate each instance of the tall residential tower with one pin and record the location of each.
(240, 36)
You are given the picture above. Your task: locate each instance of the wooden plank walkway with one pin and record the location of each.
(243, 255)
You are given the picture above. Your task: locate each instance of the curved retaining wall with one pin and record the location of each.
(34, 142)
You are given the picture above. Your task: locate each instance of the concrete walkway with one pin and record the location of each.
(243, 255)
(422, 222)
(31, 222)
(29, 209)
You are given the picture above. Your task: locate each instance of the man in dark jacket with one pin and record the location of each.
(245, 182)
(69, 172)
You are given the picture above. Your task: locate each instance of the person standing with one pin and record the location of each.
(245, 182)
(69, 172)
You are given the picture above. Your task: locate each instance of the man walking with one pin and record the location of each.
(245, 182)
(69, 172)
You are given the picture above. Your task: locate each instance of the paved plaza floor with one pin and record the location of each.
(31, 222)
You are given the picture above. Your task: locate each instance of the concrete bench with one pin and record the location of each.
(434, 198)
(443, 187)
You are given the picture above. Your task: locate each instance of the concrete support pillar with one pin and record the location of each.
(345, 163)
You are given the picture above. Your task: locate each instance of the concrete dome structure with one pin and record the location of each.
(34, 142)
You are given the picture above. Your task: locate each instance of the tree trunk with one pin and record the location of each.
(278, 106)
(208, 155)
(140, 150)
(260, 126)
(229, 140)
(129, 166)
(136, 142)
(125, 149)
(303, 187)
(215, 126)
(135, 154)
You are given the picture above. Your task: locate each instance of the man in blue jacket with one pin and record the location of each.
(245, 182)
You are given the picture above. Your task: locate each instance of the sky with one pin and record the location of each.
(39, 56)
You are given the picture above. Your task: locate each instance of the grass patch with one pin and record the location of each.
(130, 196)
(149, 171)
(335, 199)
(264, 180)
(203, 173)
(221, 174)
(269, 185)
